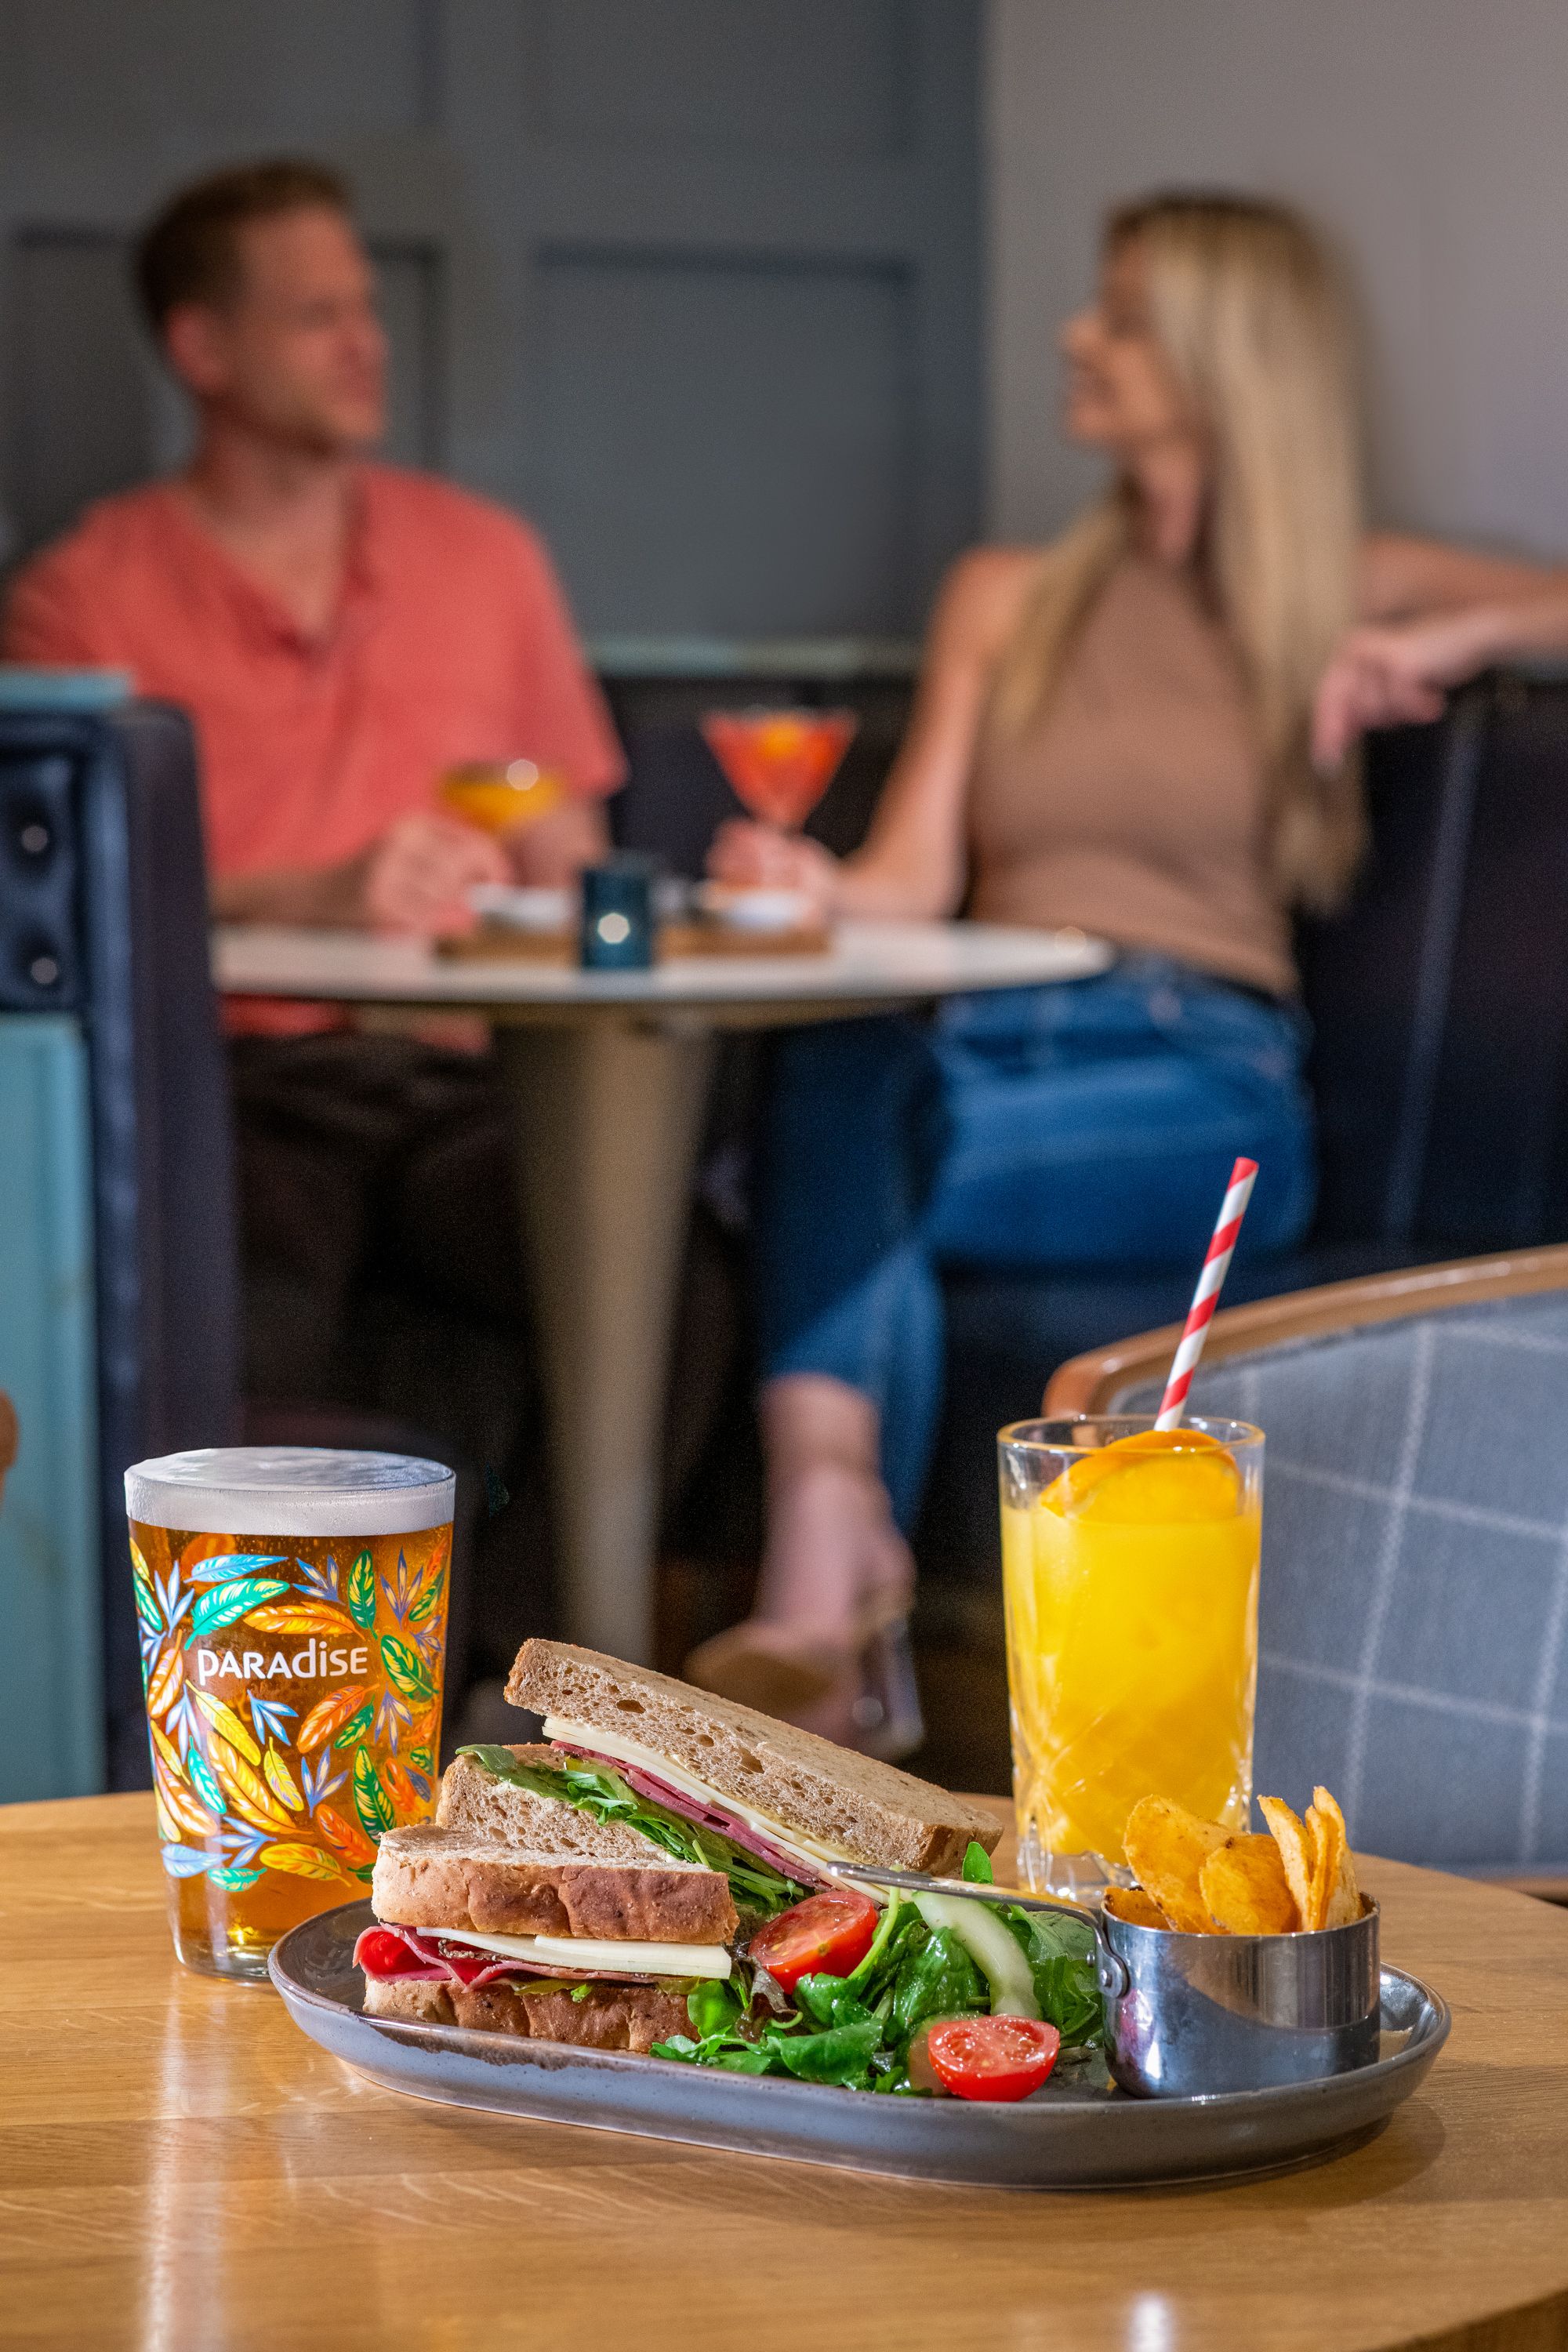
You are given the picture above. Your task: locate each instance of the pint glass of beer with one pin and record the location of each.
(292, 1609)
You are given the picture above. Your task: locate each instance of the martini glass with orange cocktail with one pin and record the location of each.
(778, 764)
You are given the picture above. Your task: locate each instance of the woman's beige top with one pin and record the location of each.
(1133, 807)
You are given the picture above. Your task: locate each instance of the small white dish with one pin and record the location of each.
(760, 910)
(524, 909)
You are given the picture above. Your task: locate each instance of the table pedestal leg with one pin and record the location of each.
(608, 1119)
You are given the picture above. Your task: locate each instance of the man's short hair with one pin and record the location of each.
(190, 252)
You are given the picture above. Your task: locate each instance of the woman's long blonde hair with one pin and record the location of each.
(1250, 317)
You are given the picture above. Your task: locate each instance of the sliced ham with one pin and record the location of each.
(446, 1959)
(705, 1817)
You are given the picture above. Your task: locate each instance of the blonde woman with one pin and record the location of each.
(1116, 733)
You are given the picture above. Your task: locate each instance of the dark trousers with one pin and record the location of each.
(384, 1291)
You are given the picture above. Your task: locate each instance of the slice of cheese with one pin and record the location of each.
(815, 1851)
(627, 1958)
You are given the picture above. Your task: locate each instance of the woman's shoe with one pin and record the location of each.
(861, 1691)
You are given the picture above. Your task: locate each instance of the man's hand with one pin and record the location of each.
(759, 857)
(1395, 674)
(416, 877)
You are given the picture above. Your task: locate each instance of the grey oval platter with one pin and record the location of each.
(1071, 2135)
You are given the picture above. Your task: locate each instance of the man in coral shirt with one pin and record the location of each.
(340, 632)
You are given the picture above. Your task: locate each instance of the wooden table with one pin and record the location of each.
(608, 1075)
(180, 2168)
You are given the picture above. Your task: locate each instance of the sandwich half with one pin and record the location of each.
(541, 1937)
(804, 1807)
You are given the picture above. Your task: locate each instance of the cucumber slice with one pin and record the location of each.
(995, 1952)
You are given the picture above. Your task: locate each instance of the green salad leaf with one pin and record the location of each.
(977, 1865)
(856, 2031)
(600, 1791)
(1061, 1961)
(939, 1980)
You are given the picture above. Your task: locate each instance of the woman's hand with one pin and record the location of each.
(1395, 674)
(759, 857)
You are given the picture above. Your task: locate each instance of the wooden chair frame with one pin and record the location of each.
(1091, 1383)
(1088, 1383)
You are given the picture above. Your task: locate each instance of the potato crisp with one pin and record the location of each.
(1201, 1879)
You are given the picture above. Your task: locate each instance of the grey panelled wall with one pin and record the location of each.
(694, 282)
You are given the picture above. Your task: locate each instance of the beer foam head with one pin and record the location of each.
(289, 1490)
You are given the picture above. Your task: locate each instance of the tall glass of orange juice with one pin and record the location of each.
(292, 1609)
(1129, 1561)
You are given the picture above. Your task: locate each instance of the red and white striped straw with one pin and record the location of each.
(1206, 1298)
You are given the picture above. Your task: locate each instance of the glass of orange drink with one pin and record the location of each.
(1129, 1559)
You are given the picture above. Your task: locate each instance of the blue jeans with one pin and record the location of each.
(1089, 1125)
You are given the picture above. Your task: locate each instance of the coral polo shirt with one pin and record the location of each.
(452, 642)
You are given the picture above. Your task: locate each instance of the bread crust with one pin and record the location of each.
(429, 1877)
(609, 2017)
(497, 1813)
(875, 1813)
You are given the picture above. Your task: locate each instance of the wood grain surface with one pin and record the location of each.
(179, 2166)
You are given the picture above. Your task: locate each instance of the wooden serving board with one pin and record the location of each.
(502, 944)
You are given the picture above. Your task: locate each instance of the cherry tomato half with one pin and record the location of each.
(828, 1935)
(992, 2057)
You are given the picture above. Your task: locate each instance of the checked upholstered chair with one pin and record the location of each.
(1413, 1604)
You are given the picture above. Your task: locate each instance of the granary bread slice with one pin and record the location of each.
(605, 2016)
(499, 1812)
(434, 1878)
(828, 1800)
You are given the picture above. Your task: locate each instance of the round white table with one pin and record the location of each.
(608, 1075)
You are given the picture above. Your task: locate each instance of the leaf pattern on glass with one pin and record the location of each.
(224, 1567)
(147, 1607)
(318, 1778)
(203, 1781)
(251, 1784)
(401, 1592)
(299, 1860)
(393, 1714)
(362, 1593)
(280, 1781)
(330, 1715)
(406, 1669)
(372, 1803)
(269, 1714)
(193, 1818)
(184, 1861)
(164, 1683)
(356, 1729)
(345, 1838)
(318, 1579)
(246, 1791)
(300, 1617)
(224, 1604)
(423, 1605)
(169, 1830)
(224, 1719)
